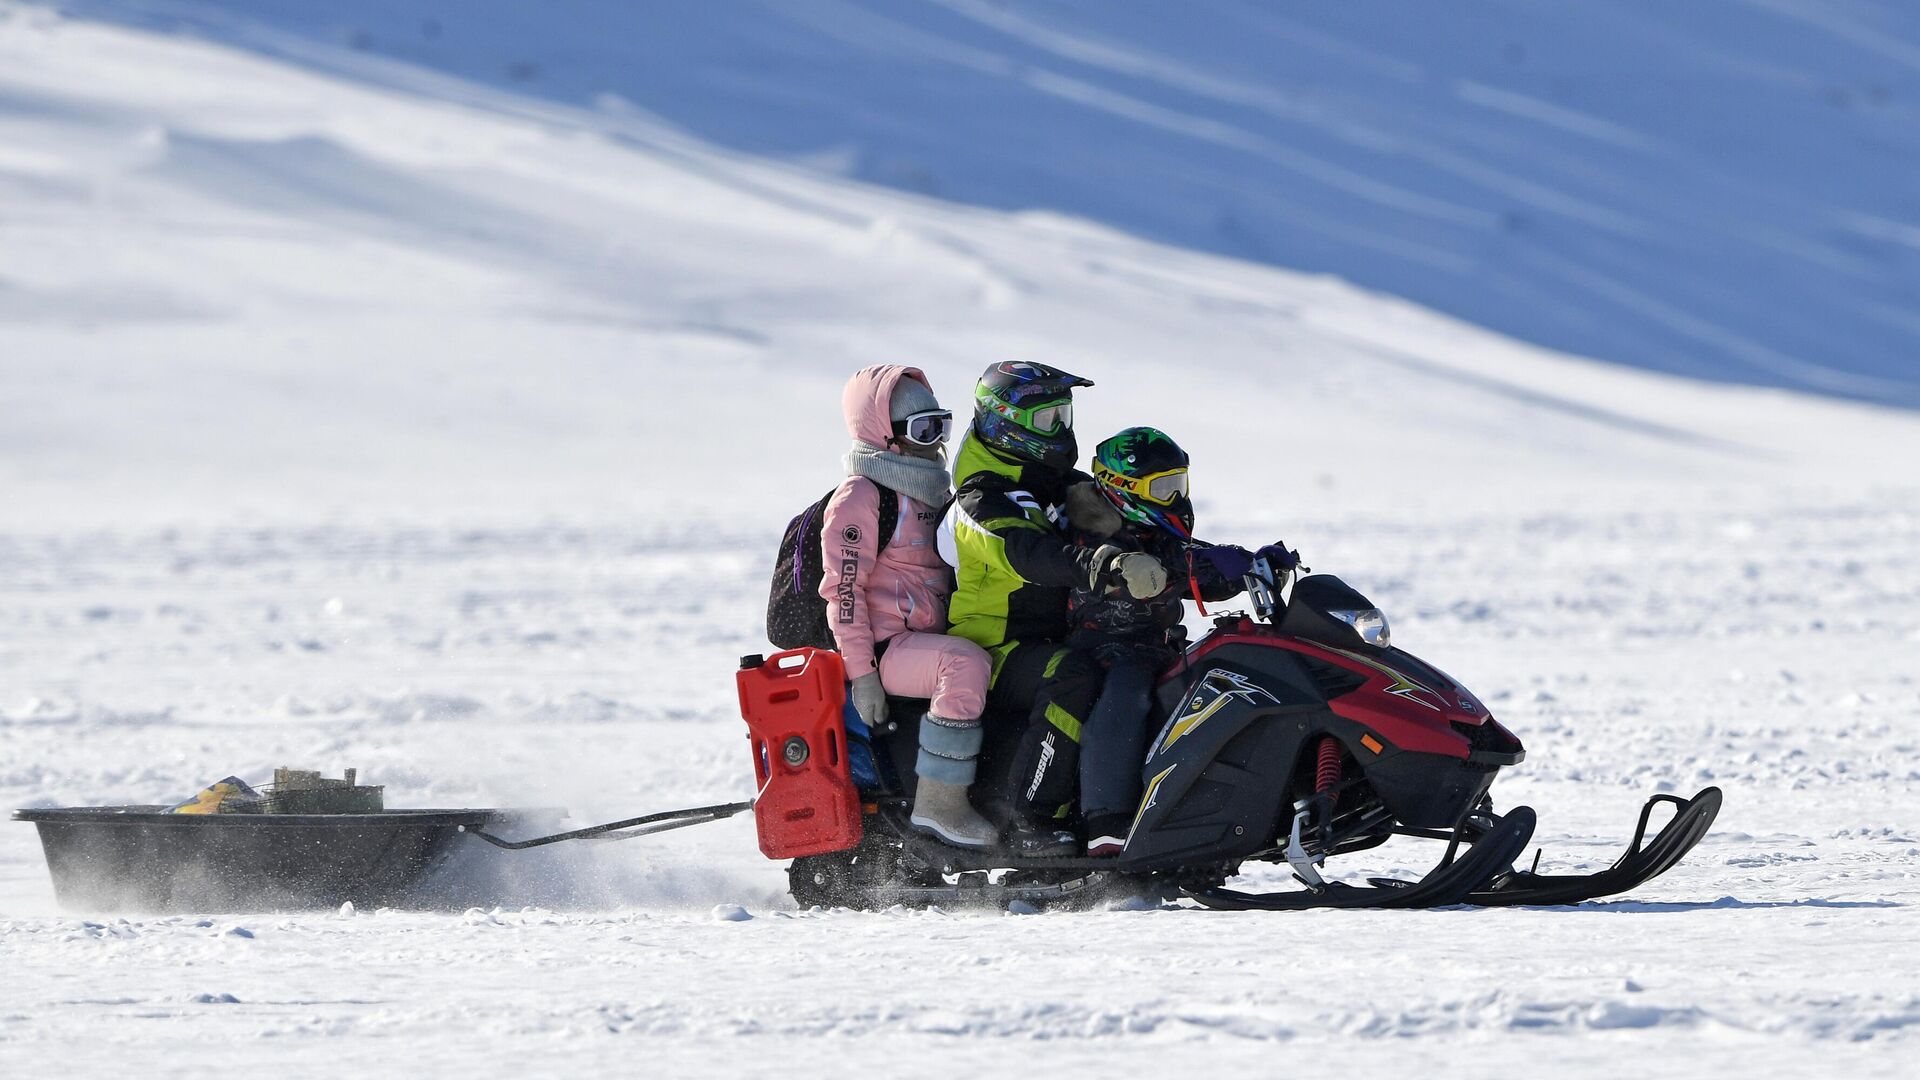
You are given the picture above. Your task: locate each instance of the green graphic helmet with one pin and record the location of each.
(1143, 473)
(1026, 411)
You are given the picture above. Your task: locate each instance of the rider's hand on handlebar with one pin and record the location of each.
(1230, 561)
(1278, 557)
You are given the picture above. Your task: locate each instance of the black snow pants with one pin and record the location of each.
(1041, 696)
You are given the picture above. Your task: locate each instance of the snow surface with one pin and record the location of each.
(360, 415)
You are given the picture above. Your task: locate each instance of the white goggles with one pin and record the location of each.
(930, 428)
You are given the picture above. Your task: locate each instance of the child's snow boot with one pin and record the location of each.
(945, 768)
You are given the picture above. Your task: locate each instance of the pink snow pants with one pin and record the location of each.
(953, 672)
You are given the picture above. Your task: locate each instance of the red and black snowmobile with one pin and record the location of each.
(1291, 736)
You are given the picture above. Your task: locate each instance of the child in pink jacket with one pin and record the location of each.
(887, 595)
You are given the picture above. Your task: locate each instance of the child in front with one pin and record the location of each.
(1138, 502)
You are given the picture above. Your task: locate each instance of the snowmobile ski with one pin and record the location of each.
(1449, 883)
(1643, 860)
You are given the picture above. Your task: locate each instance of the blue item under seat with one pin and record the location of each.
(861, 764)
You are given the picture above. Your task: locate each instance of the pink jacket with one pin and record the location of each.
(876, 587)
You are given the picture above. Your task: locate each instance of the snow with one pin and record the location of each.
(1720, 188)
(361, 414)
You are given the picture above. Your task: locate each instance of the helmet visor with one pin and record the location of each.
(1052, 418)
(929, 428)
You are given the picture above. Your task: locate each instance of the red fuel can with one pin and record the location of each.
(792, 704)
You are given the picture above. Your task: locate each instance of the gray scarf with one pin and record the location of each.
(925, 482)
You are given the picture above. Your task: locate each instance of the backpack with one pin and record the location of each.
(796, 612)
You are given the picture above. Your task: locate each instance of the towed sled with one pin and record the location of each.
(148, 858)
(307, 843)
(1294, 736)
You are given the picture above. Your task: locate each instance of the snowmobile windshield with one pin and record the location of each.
(1325, 609)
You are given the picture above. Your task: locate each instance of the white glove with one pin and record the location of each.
(1100, 567)
(870, 700)
(1145, 578)
(1139, 573)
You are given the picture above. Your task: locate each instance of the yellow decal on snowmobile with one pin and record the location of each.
(1194, 719)
(1226, 686)
(1146, 801)
(1401, 685)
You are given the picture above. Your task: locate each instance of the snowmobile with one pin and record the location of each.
(1293, 736)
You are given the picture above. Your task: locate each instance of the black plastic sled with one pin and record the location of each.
(142, 858)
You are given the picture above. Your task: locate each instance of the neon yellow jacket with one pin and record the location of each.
(1014, 566)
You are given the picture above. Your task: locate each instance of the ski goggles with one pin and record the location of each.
(1160, 489)
(1046, 418)
(929, 428)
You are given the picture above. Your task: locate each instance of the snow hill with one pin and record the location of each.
(428, 401)
(300, 280)
(1721, 189)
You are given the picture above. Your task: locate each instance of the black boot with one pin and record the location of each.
(1031, 839)
(1107, 834)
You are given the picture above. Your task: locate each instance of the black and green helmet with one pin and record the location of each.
(1026, 411)
(1143, 473)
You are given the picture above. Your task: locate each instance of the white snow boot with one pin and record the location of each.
(945, 767)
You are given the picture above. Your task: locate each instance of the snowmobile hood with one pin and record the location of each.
(866, 402)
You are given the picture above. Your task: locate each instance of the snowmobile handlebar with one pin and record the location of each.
(1267, 593)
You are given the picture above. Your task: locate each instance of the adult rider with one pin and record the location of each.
(1015, 565)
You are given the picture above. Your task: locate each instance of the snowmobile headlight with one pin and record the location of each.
(1369, 623)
